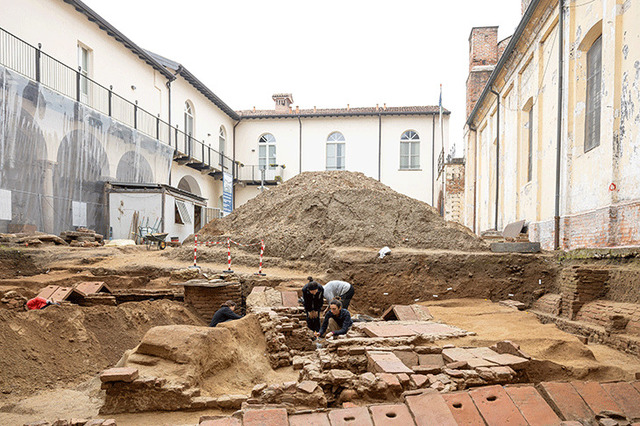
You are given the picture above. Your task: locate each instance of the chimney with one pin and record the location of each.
(348, 107)
(290, 109)
(283, 101)
(377, 107)
(254, 108)
(384, 106)
(483, 57)
(314, 108)
(297, 109)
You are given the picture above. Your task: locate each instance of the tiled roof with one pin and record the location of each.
(347, 112)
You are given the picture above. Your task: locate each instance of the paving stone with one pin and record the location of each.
(307, 386)
(419, 380)
(386, 362)
(567, 401)
(268, 417)
(627, 397)
(430, 409)
(408, 357)
(453, 373)
(356, 416)
(458, 365)
(426, 369)
(480, 362)
(463, 409)
(311, 419)
(228, 421)
(391, 415)
(121, 374)
(400, 313)
(595, 396)
(532, 405)
(387, 330)
(509, 360)
(457, 354)
(422, 312)
(391, 380)
(431, 359)
(340, 376)
(404, 379)
(496, 407)
(290, 299)
(502, 373)
(433, 329)
(636, 385)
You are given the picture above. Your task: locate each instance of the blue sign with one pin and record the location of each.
(227, 193)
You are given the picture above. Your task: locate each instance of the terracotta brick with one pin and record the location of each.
(122, 374)
(269, 417)
(496, 407)
(627, 397)
(312, 419)
(418, 380)
(386, 362)
(431, 359)
(567, 401)
(358, 416)
(391, 380)
(509, 360)
(229, 421)
(596, 397)
(463, 409)
(391, 415)
(533, 407)
(430, 409)
(290, 299)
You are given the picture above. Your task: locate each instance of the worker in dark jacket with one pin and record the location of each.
(312, 295)
(336, 322)
(225, 313)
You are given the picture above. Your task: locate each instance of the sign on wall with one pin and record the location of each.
(5, 204)
(79, 212)
(227, 193)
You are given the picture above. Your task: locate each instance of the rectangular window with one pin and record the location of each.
(265, 161)
(335, 156)
(594, 88)
(83, 67)
(409, 155)
(530, 147)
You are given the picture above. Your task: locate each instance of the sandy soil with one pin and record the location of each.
(545, 342)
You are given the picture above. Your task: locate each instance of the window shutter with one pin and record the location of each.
(594, 85)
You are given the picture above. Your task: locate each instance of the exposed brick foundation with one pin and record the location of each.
(579, 286)
(611, 226)
(207, 299)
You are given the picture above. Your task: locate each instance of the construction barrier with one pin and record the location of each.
(228, 242)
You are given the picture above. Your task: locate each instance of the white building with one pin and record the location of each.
(86, 106)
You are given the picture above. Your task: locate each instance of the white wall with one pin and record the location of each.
(174, 229)
(122, 206)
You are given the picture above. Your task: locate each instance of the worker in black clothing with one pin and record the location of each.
(312, 295)
(225, 313)
(336, 322)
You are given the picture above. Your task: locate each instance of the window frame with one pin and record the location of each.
(266, 141)
(337, 142)
(593, 96)
(410, 142)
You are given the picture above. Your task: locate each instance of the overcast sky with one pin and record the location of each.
(327, 53)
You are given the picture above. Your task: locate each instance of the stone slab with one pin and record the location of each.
(496, 407)
(463, 409)
(391, 415)
(355, 416)
(532, 405)
(268, 417)
(567, 401)
(515, 247)
(290, 299)
(433, 329)
(121, 374)
(513, 229)
(387, 330)
(430, 409)
(596, 397)
(400, 313)
(431, 359)
(408, 357)
(512, 361)
(626, 396)
(457, 354)
(91, 287)
(228, 421)
(311, 419)
(422, 312)
(386, 362)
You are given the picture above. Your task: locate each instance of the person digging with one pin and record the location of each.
(312, 295)
(336, 322)
(225, 313)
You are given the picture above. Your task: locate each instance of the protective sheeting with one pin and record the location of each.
(56, 154)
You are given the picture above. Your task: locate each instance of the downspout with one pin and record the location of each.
(234, 167)
(556, 231)
(497, 157)
(433, 159)
(379, 147)
(300, 144)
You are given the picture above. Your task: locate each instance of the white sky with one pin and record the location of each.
(328, 53)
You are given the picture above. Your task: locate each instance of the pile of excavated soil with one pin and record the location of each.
(317, 210)
(68, 344)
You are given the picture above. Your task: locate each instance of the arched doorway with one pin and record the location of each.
(133, 167)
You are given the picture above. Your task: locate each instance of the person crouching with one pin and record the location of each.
(225, 313)
(336, 322)
(312, 295)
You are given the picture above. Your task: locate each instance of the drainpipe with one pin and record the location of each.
(379, 147)
(234, 167)
(556, 231)
(497, 157)
(433, 159)
(300, 143)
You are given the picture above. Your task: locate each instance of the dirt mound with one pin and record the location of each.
(317, 210)
(68, 344)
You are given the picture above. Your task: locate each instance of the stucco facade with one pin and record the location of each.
(598, 191)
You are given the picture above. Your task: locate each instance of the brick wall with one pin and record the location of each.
(612, 226)
(483, 55)
(549, 303)
(580, 285)
(454, 191)
(207, 300)
(613, 316)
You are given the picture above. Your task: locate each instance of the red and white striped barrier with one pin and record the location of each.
(228, 242)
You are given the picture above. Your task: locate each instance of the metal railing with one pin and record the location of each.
(255, 173)
(33, 63)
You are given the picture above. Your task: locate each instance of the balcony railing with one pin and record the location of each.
(33, 63)
(257, 174)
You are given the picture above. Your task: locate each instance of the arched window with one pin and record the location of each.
(335, 151)
(410, 150)
(594, 95)
(189, 125)
(267, 151)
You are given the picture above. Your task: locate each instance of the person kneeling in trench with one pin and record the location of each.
(336, 322)
(225, 313)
